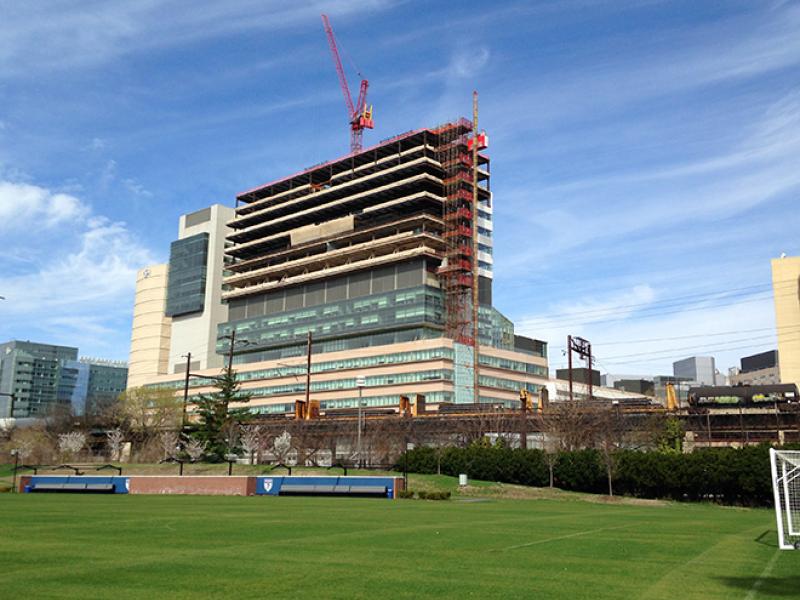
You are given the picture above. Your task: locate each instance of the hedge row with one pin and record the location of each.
(727, 475)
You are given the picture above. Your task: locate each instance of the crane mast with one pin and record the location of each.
(359, 115)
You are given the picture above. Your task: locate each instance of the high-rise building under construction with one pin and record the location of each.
(373, 260)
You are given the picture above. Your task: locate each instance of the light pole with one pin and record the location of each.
(15, 454)
(361, 381)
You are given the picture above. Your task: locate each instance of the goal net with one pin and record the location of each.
(786, 486)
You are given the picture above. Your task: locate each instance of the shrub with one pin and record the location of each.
(728, 475)
(405, 494)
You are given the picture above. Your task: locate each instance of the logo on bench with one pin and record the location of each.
(267, 485)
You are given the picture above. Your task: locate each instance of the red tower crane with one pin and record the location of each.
(358, 115)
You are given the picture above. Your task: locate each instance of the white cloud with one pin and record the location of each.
(23, 205)
(76, 287)
(102, 269)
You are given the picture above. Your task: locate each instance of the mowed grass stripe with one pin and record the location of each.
(188, 547)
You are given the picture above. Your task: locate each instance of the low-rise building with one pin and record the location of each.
(757, 369)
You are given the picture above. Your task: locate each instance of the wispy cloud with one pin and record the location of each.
(77, 280)
(47, 35)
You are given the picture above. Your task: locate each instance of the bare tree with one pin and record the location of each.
(282, 447)
(195, 449)
(147, 411)
(249, 438)
(70, 444)
(115, 439)
(169, 442)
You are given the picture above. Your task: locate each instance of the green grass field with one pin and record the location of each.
(486, 546)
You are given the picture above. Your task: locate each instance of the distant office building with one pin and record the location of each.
(92, 384)
(636, 386)
(580, 375)
(786, 294)
(33, 372)
(609, 379)
(757, 369)
(700, 369)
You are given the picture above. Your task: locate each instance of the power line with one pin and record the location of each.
(684, 337)
(640, 316)
(668, 350)
(669, 356)
(723, 295)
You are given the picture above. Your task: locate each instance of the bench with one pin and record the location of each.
(74, 488)
(296, 489)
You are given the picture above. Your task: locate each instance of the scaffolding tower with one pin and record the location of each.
(458, 272)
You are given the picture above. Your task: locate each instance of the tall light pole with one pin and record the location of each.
(361, 381)
(15, 454)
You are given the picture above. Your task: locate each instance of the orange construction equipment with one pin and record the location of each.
(405, 406)
(672, 398)
(418, 408)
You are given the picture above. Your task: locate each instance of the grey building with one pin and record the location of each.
(37, 376)
(700, 369)
(636, 386)
(579, 375)
(757, 369)
(92, 384)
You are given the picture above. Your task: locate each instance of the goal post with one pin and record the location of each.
(785, 465)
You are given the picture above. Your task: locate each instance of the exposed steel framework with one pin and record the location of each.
(458, 273)
(359, 114)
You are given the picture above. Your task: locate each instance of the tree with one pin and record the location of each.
(282, 446)
(670, 437)
(195, 449)
(115, 439)
(147, 411)
(217, 426)
(170, 443)
(70, 444)
(249, 439)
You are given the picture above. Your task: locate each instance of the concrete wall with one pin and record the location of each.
(786, 293)
(204, 486)
(150, 332)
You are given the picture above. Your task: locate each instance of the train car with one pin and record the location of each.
(723, 396)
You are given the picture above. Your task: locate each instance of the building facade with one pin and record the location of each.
(580, 375)
(367, 263)
(786, 294)
(178, 306)
(151, 327)
(194, 288)
(700, 369)
(757, 369)
(92, 384)
(37, 376)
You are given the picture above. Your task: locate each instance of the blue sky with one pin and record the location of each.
(644, 153)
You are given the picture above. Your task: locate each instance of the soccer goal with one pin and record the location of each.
(786, 486)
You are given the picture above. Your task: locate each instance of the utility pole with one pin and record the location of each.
(569, 365)
(188, 356)
(308, 372)
(583, 349)
(232, 338)
(360, 383)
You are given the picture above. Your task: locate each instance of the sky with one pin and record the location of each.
(644, 154)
